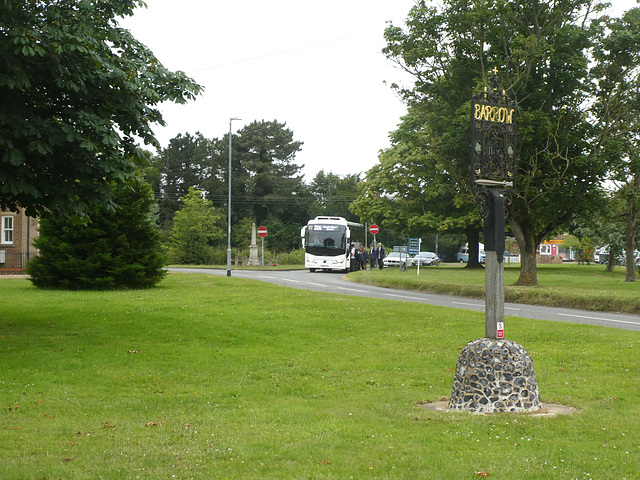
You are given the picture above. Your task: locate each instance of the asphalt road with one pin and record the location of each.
(335, 283)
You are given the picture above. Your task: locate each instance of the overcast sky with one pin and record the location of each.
(315, 66)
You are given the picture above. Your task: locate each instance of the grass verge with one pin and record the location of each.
(586, 287)
(214, 377)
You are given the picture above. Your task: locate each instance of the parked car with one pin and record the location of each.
(426, 259)
(394, 259)
(463, 254)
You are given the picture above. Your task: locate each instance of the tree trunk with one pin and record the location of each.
(630, 275)
(528, 248)
(631, 228)
(630, 238)
(610, 259)
(473, 237)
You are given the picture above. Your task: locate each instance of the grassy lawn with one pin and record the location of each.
(209, 377)
(586, 287)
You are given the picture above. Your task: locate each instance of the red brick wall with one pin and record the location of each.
(25, 230)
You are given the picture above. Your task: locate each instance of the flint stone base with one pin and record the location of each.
(494, 375)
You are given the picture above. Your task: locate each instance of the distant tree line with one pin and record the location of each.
(267, 187)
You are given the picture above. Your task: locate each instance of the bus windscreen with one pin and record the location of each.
(327, 240)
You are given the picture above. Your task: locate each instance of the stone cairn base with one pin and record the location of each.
(494, 376)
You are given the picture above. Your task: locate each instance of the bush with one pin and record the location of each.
(295, 257)
(113, 250)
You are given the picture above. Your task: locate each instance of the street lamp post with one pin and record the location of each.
(229, 204)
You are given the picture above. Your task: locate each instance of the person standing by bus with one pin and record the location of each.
(363, 257)
(372, 256)
(352, 258)
(380, 255)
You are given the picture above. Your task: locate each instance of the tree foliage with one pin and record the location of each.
(115, 249)
(266, 185)
(185, 163)
(195, 229)
(264, 167)
(618, 107)
(334, 194)
(77, 92)
(543, 50)
(412, 192)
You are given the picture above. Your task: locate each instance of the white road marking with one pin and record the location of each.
(468, 304)
(598, 318)
(403, 296)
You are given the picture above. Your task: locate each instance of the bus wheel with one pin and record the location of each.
(312, 270)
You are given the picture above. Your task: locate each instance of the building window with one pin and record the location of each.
(6, 230)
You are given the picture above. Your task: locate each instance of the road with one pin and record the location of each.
(330, 282)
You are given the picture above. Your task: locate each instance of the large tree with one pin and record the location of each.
(269, 186)
(77, 92)
(617, 105)
(266, 186)
(542, 49)
(265, 153)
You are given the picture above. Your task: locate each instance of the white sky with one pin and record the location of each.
(315, 66)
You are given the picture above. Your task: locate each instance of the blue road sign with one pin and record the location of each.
(414, 246)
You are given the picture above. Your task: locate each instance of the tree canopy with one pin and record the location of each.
(78, 93)
(334, 194)
(264, 167)
(618, 106)
(545, 55)
(267, 187)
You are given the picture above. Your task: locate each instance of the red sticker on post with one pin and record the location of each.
(500, 329)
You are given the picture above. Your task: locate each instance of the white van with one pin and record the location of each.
(463, 254)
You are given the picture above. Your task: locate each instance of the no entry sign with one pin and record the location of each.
(262, 232)
(374, 229)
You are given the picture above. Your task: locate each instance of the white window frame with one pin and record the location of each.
(7, 230)
(545, 249)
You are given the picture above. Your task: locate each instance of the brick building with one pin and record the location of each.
(17, 232)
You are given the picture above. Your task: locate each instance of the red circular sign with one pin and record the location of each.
(374, 229)
(262, 232)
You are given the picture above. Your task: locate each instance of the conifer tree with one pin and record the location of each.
(116, 249)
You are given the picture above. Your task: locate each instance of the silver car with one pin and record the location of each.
(394, 259)
(426, 259)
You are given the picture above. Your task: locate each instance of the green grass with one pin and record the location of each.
(209, 377)
(586, 287)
